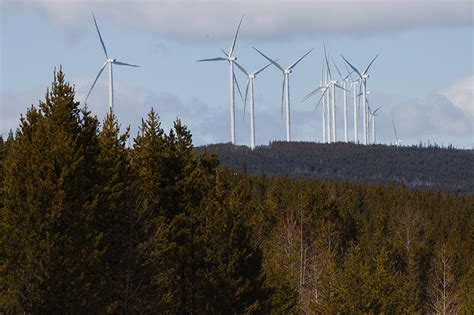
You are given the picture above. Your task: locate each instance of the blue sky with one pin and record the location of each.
(423, 76)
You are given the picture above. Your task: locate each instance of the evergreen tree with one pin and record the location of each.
(49, 241)
(115, 214)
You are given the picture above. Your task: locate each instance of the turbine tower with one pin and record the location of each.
(109, 62)
(363, 77)
(249, 89)
(231, 59)
(286, 87)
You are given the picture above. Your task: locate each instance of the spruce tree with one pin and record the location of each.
(115, 214)
(49, 239)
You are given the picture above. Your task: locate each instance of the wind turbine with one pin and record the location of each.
(356, 99)
(231, 59)
(397, 141)
(286, 87)
(363, 78)
(344, 85)
(333, 84)
(109, 62)
(374, 114)
(249, 88)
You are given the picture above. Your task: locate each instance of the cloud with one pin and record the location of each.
(461, 95)
(266, 19)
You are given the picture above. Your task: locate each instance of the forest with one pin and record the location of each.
(425, 166)
(90, 224)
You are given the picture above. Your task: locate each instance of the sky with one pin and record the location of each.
(423, 77)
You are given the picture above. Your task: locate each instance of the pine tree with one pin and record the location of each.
(115, 213)
(148, 223)
(51, 255)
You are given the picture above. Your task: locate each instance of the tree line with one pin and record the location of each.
(89, 224)
(418, 167)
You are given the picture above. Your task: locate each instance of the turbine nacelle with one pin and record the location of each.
(287, 71)
(252, 76)
(111, 60)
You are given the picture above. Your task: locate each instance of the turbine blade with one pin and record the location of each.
(394, 129)
(246, 93)
(327, 64)
(225, 54)
(235, 37)
(212, 59)
(238, 88)
(347, 76)
(377, 109)
(297, 61)
(337, 85)
(353, 68)
(322, 75)
(124, 64)
(241, 68)
(338, 71)
(307, 96)
(96, 78)
(261, 69)
(282, 96)
(271, 60)
(322, 95)
(367, 69)
(100, 37)
(245, 99)
(349, 72)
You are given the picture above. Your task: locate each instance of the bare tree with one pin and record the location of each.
(442, 290)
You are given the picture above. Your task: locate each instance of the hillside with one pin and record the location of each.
(434, 168)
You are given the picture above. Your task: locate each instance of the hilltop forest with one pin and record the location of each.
(418, 167)
(91, 225)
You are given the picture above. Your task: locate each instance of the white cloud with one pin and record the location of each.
(461, 95)
(201, 19)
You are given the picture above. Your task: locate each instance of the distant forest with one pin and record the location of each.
(421, 167)
(91, 225)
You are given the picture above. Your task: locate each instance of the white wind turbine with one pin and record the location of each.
(355, 97)
(363, 78)
(110, 62)
(249, 89)
(374, 114)
(344, 85)
(286, 87)
(231, 59)
(333, 84)
(398, 141)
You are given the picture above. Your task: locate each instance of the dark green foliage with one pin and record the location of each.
(50, 244)
(196, 246)
(89, 225)
(432, 167)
